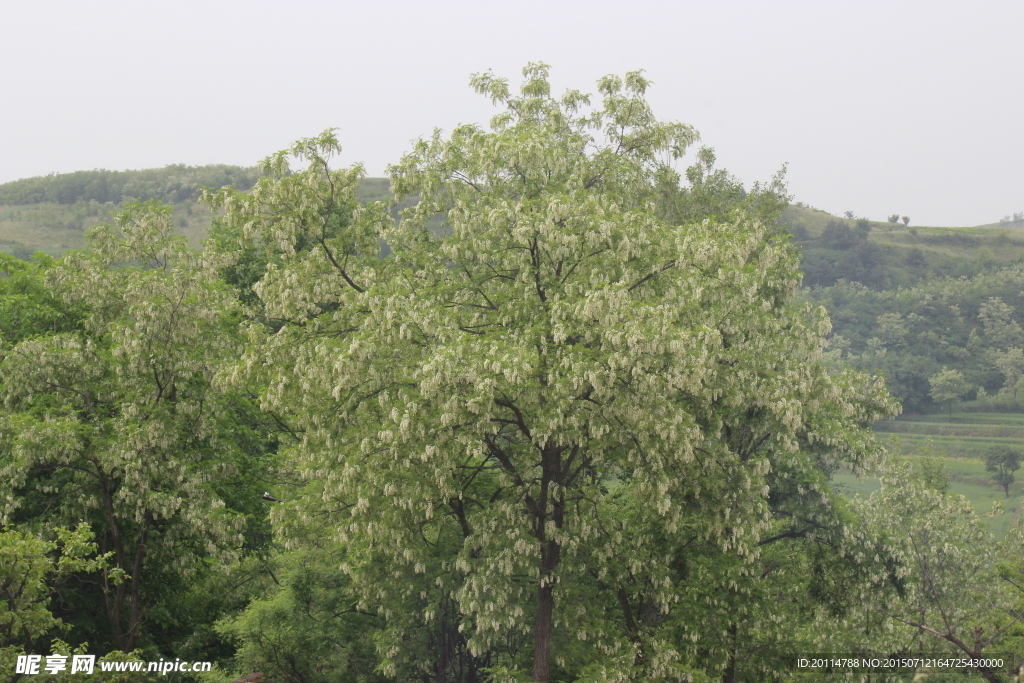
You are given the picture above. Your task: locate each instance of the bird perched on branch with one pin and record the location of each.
(267, 496)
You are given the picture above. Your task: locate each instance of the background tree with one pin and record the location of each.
(948, 572)
(121, 416)
(1003, 462)
(948, 387)
(1011, 365)
(1000, 323)
(906, 220)
(843, 252)
(915, 258)
(949, 323)
(895, 218)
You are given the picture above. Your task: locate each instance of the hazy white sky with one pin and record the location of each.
(878, 107)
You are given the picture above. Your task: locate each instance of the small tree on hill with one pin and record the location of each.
(1003, 461)
(895, 218)
(906, 220)
(948, 387)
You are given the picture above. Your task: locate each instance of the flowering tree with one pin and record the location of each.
(115, 420)
(479, 414)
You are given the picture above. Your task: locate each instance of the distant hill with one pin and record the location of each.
(51, 213)
(171, 184)
(884, 255)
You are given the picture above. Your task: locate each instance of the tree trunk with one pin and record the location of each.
(114, 596)
(729, 675)
(550, 555)
(631, 625)
(137, 614)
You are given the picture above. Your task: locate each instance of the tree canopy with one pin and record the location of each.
(112, 401)
(501, 398)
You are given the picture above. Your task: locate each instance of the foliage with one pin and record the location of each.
(554, 411)
(971, 325)
(120, 415)
(932, 471)
(1016, 219)
(29, 568)
(27, 308)
(713, 194)
(307, 627)
(8, 659)
(844, 253)
(1011, 364)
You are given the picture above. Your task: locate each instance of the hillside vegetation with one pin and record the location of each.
(886, 255)
(52, 213)
(171, 184)
(916, 304)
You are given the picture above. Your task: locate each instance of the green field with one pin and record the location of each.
(960, 443)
